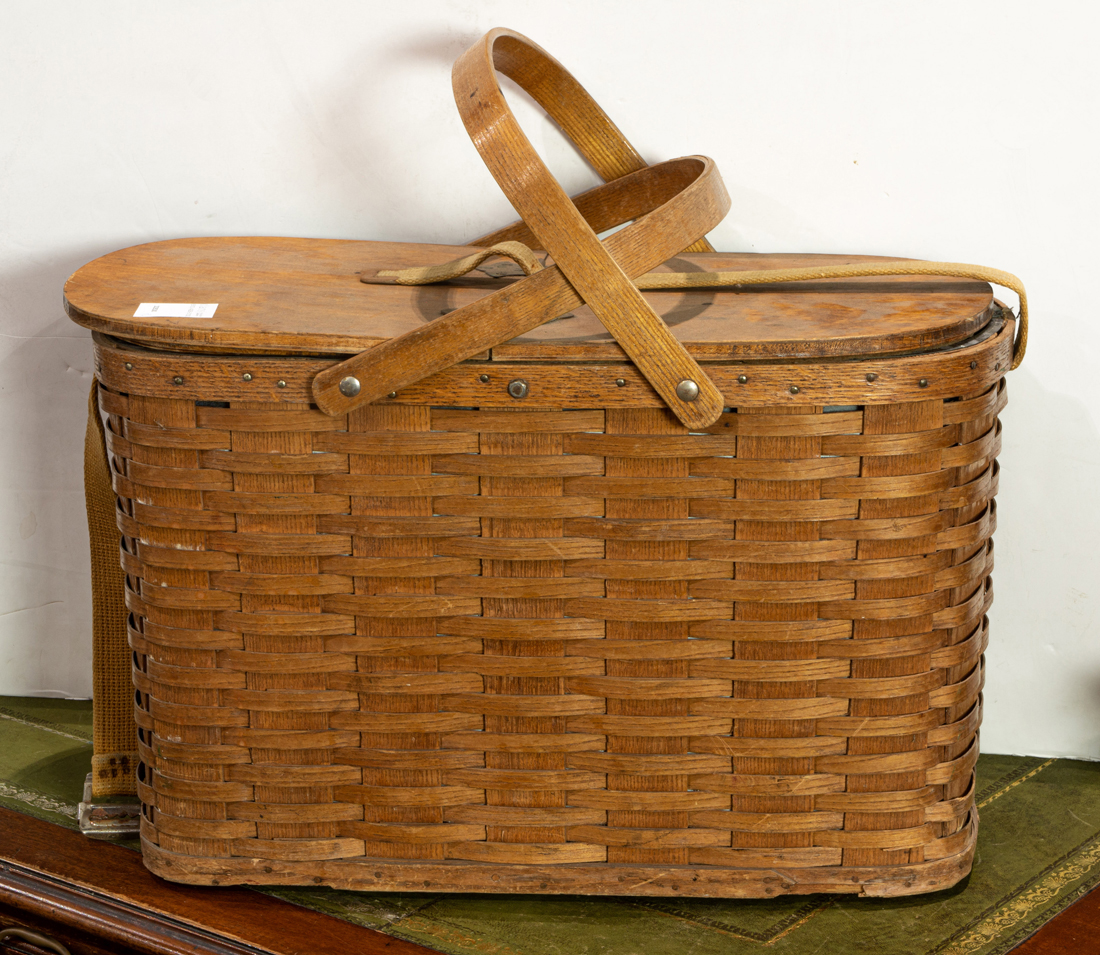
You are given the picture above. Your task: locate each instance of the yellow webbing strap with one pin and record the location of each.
(114, 751)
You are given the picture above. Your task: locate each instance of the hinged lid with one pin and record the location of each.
(303, 296)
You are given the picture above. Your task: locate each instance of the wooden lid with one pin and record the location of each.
(304, 296)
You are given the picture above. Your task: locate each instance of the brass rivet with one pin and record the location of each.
(923, 382)
(620, 382)
(997, 367)
(129, 366)
(795, 389)
(349, 387)
(517, 388)
(483, 378)
(973, 364)
(742, 379)
(177, 380)
(687, 390)
(247, 376)
(280, 384)
(871, 376)
(392, 394)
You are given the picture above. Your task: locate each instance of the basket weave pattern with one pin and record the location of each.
(550, 637)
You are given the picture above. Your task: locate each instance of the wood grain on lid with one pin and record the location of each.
(304, 296)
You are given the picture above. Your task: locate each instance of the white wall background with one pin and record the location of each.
(964, 131)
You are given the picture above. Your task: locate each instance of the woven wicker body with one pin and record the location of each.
(453, 641)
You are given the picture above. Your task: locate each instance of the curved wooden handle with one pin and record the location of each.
(559, 226)
(586, 271)
(579, 116)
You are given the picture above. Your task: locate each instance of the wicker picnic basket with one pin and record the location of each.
(536, 592)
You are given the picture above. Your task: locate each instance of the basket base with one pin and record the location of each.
(593, 879)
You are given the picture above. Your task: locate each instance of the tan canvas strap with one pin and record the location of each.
(114, 746)
(653, 281)
(516, 251)
(586, 271)
(981, 273)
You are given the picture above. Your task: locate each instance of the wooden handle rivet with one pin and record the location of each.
(177, 380)
(247, 376)
(129, 366)
(620, 382)
(392, 394)
(742, 379)
(517, 388)
(795, 389)
(923, 382)
(280, 384)
(871, 376)
(483, 378)
(973, 365)
(687, 390)
(349, 387)
(997, 367)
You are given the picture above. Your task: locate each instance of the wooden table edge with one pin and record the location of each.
(105, 891)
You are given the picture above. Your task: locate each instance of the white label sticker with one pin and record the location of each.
(175, 310)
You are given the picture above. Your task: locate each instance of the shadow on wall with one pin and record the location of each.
(1042, 692)
(45, 594)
